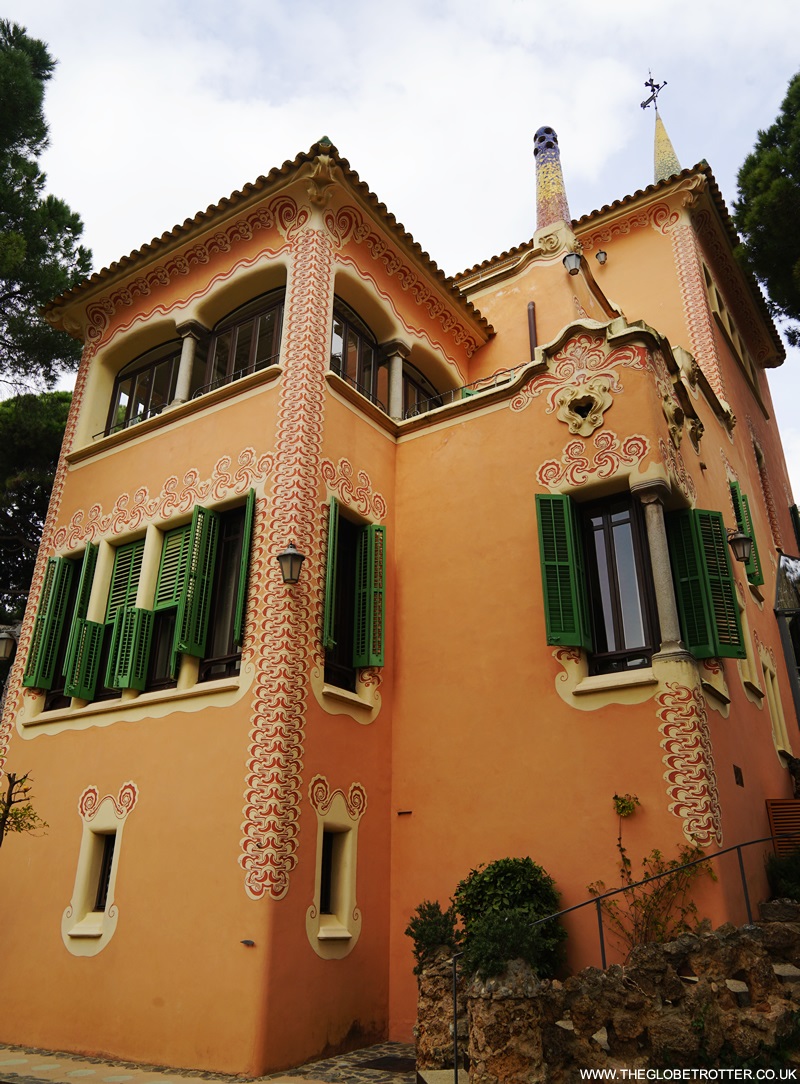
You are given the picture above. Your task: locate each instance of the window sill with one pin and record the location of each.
(157, 696)
(629, 678)
(90, 925)
(331, 929)
(344, 694)
(753, 688)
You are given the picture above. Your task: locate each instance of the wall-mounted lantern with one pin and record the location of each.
(291, 561)
(741, 544)
(572, 262)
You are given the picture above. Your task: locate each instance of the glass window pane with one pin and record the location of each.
(367, 374)
(628, 586)
(351, 357)
(120, 412)
(382, 385)
(140, 398)
(162, 389)
(221, 358)
(244, 340)
(605, 618)
(267, 344)
(337, 346)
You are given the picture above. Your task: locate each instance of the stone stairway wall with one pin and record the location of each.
(709, 999)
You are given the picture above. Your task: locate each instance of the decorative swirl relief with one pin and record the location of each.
(321, 797)
(287, 624)
(356, 492)
(659, 217)
(347, 224)
(575, 467)
(676, 468)
(281, 212)
(581, 360)
(131, 511)
(690, 773)
(90, 801)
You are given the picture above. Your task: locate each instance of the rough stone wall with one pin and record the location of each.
(703, 1000)
(433, 1032)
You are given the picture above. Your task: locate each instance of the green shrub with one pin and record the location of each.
(431, 929)
(783, 874)
(498, 905)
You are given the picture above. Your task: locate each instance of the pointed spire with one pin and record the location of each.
(665, 159)
(551, 196)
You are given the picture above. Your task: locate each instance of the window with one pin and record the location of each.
(419, 395)
(144, 387)
(198, 609)
(741, 510)
(598, 586)
(596, 573)
(245, 342)
(354, 598)
(354, 356)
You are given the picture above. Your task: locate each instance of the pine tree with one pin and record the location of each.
(40, 254)
(767, 212)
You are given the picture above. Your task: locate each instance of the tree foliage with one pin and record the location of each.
(767, 212)
(40, 254)
(31, 432)
(16, 808)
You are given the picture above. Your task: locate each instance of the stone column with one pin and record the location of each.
(396, 351)
(190, 332)
(651, 495)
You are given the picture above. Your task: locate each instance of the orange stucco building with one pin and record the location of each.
(511, 490)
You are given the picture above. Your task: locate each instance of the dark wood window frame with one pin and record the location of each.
(145, 390)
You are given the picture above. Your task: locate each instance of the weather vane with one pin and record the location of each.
(655, 88)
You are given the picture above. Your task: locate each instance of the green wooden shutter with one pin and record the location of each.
(563, 580)
(48, 624)
(369, 600)
(130, 648)
(172, 569)
(191, 626)
(794, 512)
(81, 607)
(244, 564)
(741, 508)
(82, 673)
(704, 585)
(125, 577)
(329, 615)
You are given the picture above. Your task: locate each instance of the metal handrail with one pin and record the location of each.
(454, 395)
(597, 901)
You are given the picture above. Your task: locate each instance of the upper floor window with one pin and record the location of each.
(419, 395)
(144, 387)
(598, 585)
(355, 579)
(246, 341)
(197, 610)
(354, 356)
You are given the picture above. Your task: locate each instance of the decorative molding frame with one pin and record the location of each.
(334, 935)
(86, 932)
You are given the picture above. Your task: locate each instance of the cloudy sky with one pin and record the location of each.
(160, 108)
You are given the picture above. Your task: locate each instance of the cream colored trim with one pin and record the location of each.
(152, 705)
(334, 935)
(626, 680)
(780, 734)
(84, 931)
(363, 705)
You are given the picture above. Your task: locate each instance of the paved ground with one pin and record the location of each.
(386, 1063)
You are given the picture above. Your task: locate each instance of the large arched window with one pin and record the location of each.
(354, 355)
(144, 387)
(246, 341)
